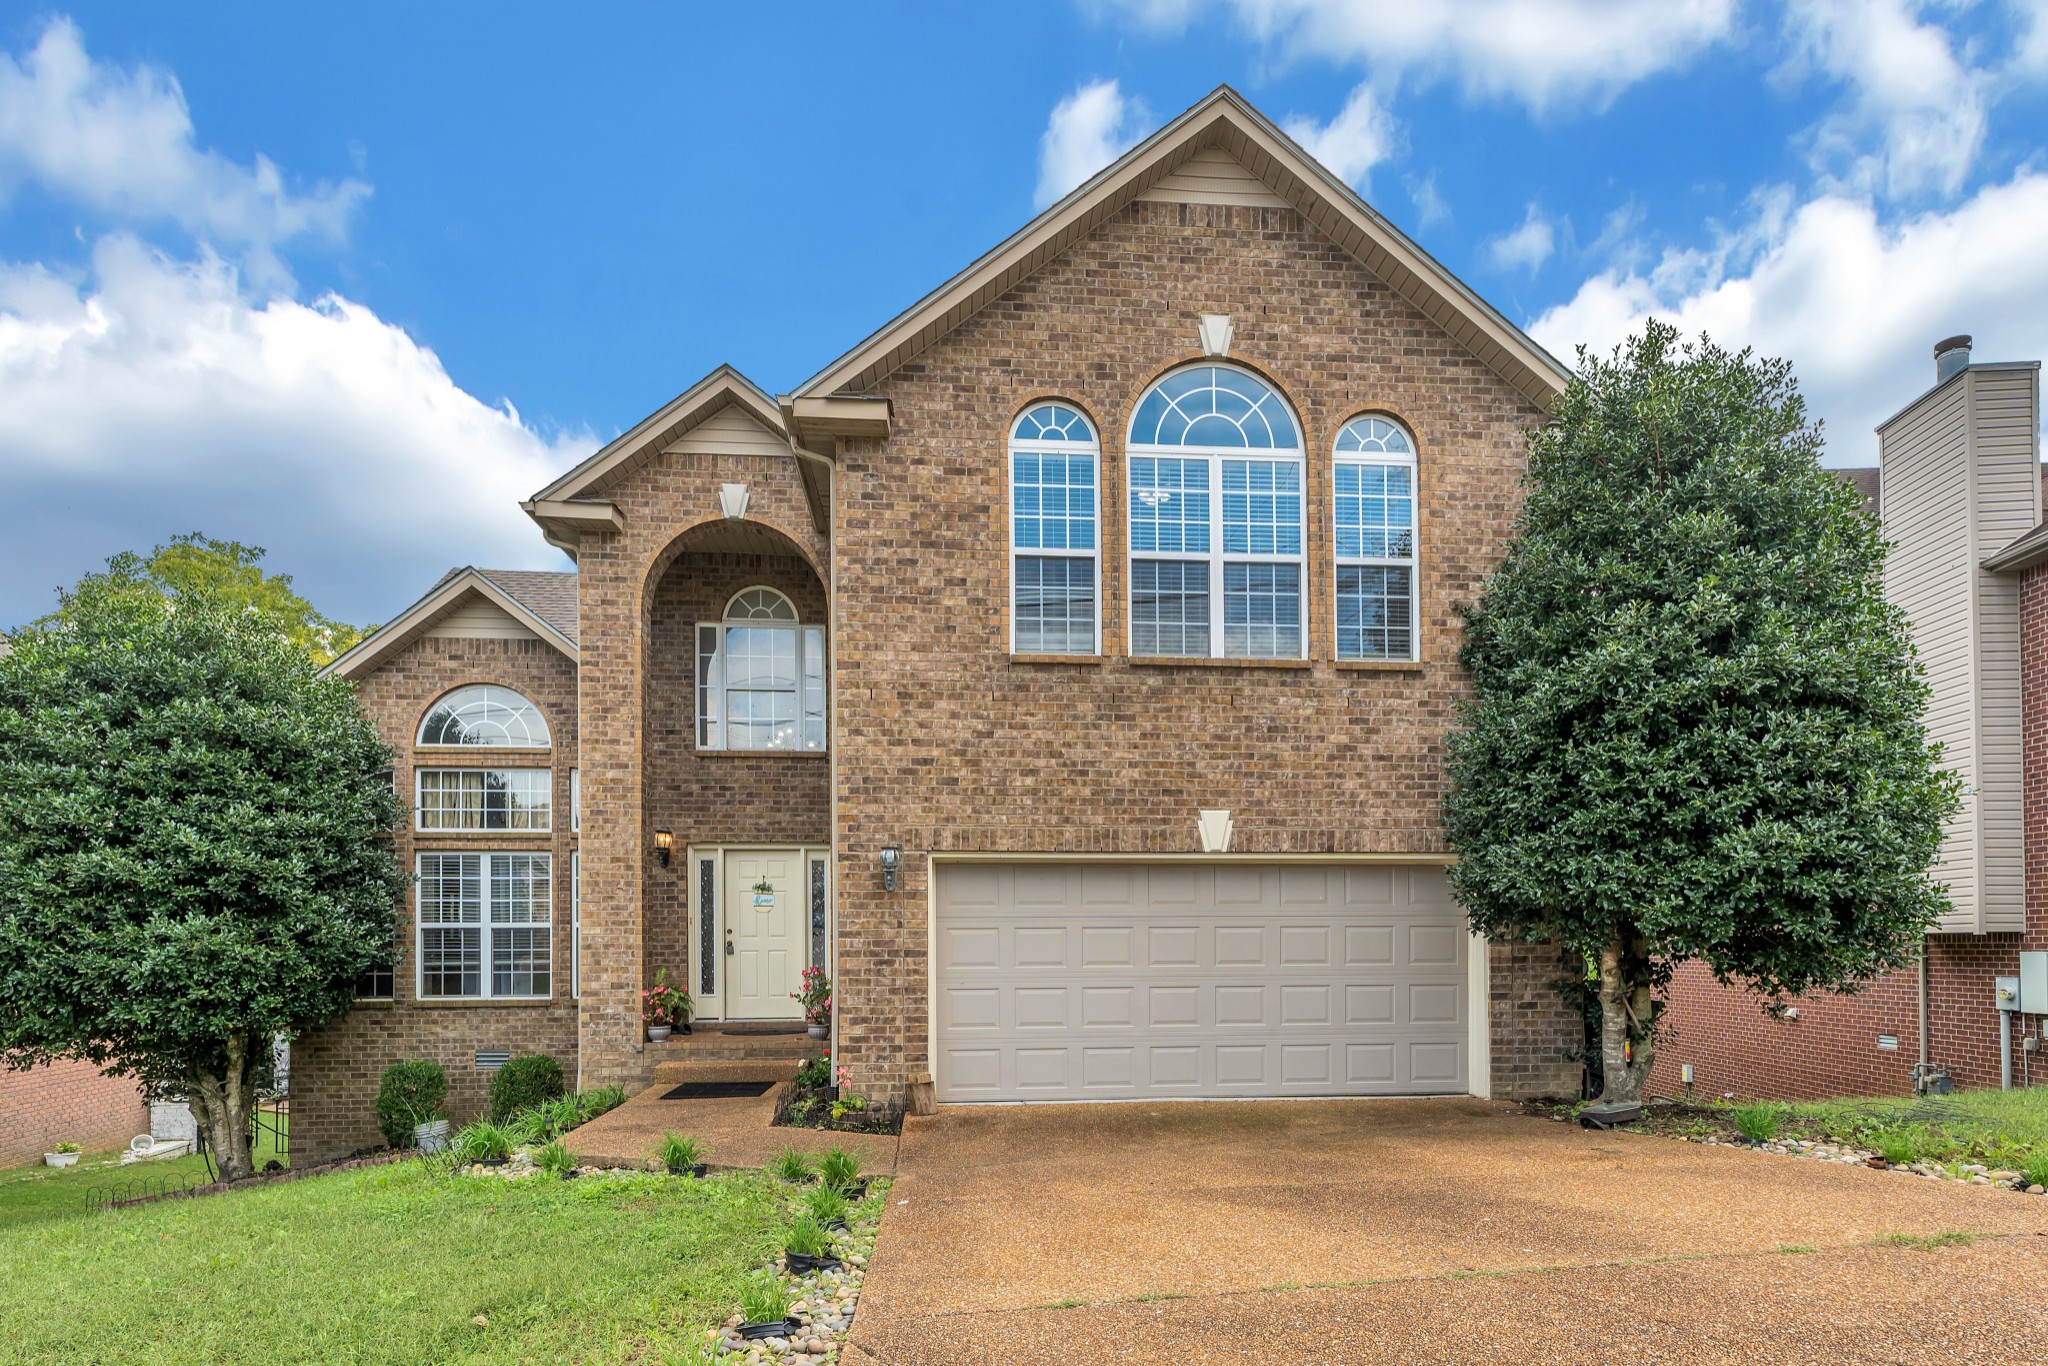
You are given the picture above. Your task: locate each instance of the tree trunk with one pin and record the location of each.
(1625, 1012)
(224, 1104)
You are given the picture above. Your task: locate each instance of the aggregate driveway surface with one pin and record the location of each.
(1412, 1231)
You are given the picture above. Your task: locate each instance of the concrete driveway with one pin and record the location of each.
(1421, 1231)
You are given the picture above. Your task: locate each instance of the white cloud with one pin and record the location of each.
(1526, 247)
(2030, 52)
(1924, 107)
(1428, 200)
(1088, 129)
(1363, 135)
(151, 396)
(1854, 303)
(1543, 53)
(122, 142)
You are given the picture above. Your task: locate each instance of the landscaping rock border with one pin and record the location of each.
(824, 1304)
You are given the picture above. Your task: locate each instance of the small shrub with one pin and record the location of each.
(812, 1073)
(806, 1237)
(523, 1083)
(601, 1099)
(826, 1203)
(556, 1160)
(790, 1165)
(2035, 1167)
(1898, 1147)
(764, 1299)
(483, 1141)
(839, 1168)
(1759, 1122)
(67, 1146)
(526, 1127)
(678, 1152)
(560, 1115)
(408, 1095)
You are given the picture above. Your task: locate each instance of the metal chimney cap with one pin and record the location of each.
(1947, 344)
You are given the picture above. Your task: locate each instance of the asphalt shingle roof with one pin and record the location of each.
(549, 595)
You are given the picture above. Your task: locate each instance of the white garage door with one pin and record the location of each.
(1112, 981)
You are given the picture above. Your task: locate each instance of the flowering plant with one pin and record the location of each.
(815, 997)
(812, 1073)
(664, 1003)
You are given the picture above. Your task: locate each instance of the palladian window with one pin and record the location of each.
(1216, 519)
(760, 677)
(484, 715)
(1374, 488)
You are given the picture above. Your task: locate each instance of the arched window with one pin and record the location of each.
(1374, 489)
(1054, 576)
(484, 715)
(1216, 518)
(760, 676)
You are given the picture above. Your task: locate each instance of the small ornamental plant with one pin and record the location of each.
(556, 1160)
(826, 1204)
(665, 1004)
(1758, 1122)
(679, 1153)
(67, 1147)
(764, 1299)
(839, 1168)
(813, 1073)
(815, 997)
(791, 1166)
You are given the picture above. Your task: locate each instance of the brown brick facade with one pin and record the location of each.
(63, 1102)
(335, 1069)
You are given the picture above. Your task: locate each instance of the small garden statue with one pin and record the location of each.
(816, 999)
(665, 1006)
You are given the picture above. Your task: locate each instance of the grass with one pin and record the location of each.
(1927, 1242)
(839, 1168)
(30, 1195)
(1759, 1121)
(764, 1298)
(806, 1237)
(1900, 1147)
(393, 1264)
(790, 1165)
(556, 1160)
(1997, 1128)
(678, 1152)
(826, 1203)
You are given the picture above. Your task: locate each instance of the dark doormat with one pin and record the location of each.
(765, 1027)
(717, 1090)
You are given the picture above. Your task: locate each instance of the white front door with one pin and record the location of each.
(766, 934)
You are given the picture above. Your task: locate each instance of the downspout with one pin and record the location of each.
(1924, 1052)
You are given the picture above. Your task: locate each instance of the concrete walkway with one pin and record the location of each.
(1422, 1231)
(736, 1132)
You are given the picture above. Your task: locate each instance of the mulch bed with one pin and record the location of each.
(800, 1112)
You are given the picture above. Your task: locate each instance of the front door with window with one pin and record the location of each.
(766, 934)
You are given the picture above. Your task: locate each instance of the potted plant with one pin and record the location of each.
(65, 1155)
(681, 1154)
(664, 1006)
(764, 1309)
(807, 1247)
(816, 999)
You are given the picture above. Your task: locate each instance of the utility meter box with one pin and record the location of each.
(2034, 983)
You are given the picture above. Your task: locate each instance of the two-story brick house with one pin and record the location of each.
(928, 671)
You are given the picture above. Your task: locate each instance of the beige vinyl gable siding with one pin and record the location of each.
(1213, 176)
(477, 618)
(1960, 481)
(730, 431)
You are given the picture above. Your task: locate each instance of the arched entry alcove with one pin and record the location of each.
(735, 742)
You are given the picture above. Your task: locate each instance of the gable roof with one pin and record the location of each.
(1222, 120)
(576, 500)
(544, 602)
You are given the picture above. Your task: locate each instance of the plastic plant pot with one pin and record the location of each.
(697, 1171)
(803, 1265)
(769, 1328)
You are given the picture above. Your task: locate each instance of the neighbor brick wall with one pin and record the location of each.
(335, 1068)
(66, 1101)
(945, 742)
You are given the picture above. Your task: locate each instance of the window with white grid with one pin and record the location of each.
(484, 924)
(1373, 491)
(1055, 579)
(484, 715)
(760, 677)
(1216, 519)
(485, 798)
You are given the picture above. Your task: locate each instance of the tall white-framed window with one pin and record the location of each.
(575, 799)
(760, 677)
(1373, 492)
(1217, 560)
(481, 714)
(484, 798)
(484, 924)
(575, 926)
(1055, 571)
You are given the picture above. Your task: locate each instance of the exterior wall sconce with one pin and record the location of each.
(891, 859)
(664, 841)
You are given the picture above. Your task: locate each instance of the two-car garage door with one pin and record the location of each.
(1064, 982)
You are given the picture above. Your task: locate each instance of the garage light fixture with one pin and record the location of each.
(891, 859)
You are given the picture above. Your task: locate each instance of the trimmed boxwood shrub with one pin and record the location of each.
(410, 1093)
(523, 1083)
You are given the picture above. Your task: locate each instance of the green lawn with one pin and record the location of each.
(1987, 1126)
(31, 1194)
(392, 1264)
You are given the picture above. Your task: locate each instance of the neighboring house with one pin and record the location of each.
(1961, 503)
(928, 671)
(66, 1101)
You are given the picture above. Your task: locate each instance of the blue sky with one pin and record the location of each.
(349, 284)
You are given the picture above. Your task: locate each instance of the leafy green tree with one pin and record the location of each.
(194, 847)
(1695, 730)
(226, 572)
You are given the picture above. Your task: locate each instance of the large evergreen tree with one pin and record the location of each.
(194, 851)
(1695, 730)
